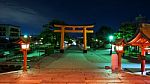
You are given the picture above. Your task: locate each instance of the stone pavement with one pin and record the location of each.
(71, 67)
(74, 76)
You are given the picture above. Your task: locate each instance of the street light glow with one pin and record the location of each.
(25, 36)
(111, 37)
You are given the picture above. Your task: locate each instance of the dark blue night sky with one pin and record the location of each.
(32, 14)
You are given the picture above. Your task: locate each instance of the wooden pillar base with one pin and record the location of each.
(84, 51)
(25, 70)
(24, 60)
(61, 50)
(142, 65)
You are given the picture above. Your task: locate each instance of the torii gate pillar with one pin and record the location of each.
(62, 40)
(84, 40)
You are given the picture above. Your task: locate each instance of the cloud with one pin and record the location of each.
(12, 12)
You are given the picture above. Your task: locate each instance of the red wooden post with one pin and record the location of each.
(143, 60)
(25, 60)
(119, 61)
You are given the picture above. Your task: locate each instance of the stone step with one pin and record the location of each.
(29, 81)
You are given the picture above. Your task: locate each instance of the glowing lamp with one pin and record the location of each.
(119, 48)
(25, 46)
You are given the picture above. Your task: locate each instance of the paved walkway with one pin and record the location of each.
(72, 67)
(57, 76)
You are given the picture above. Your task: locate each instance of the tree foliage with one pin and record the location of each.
(89, 38)
(126, 30)
(48, 35)
(104, 32)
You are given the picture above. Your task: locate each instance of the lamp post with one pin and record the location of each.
(110, 39)
(24, 47)
(119, 50)
(24, 43)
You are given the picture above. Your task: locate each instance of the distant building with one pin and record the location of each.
(9, 32)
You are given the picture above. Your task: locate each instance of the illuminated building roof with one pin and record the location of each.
(142, 37)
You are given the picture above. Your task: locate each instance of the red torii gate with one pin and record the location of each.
(142, 39)
(74, 29)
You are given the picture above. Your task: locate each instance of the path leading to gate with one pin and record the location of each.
(72, 67)
(73, 58)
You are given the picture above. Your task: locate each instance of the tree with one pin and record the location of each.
(127, 30)
(89, 39)
(103, 33)
(48, 35)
